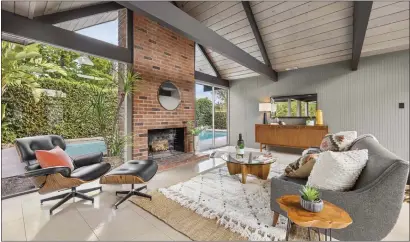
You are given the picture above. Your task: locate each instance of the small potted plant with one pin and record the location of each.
(310, 121)
(195, 131)
(310, 199)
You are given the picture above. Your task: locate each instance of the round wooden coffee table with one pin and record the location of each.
(253, 163)
(331, 217)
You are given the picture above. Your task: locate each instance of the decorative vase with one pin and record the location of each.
(315, 206)
(196, 143)
(114, 161)
(319, 117)
(310, 122)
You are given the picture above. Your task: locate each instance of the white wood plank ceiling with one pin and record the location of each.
(298, 34)
(33, 9)
(228, 19)
(201, 64)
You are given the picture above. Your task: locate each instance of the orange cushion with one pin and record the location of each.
(54, 157)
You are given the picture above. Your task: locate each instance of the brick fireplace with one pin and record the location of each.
(161, 55)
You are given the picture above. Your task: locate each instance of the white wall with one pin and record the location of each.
(365, 100)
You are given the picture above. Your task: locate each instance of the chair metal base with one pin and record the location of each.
(66, 196)
(135, 192)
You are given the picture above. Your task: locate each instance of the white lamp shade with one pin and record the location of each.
(265, 107)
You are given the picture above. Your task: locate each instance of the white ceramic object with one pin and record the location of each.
(196, 143)
(310, 122)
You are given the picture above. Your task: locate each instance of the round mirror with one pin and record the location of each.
(169, 96)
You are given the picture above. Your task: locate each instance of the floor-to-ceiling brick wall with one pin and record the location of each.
(160, 55)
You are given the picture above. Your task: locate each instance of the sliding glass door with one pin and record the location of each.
(220, 115)
(211, 111)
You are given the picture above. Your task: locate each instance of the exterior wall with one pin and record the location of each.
(365, 100)
(160, 55)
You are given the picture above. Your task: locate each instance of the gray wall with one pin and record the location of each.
(365, 100)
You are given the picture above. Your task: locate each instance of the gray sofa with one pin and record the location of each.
(375, 201)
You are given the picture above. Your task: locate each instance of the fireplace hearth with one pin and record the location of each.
(164, 143)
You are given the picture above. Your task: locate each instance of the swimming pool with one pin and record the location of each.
(82, 148)
(207, 134)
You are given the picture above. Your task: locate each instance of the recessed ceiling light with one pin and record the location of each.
(288, 69)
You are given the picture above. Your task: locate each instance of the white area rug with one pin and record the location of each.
(242, 208)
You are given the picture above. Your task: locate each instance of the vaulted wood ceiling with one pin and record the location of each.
(298, 34)
(32, 9)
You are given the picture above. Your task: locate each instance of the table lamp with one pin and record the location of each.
(265, 107)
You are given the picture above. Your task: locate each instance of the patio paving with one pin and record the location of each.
(10, 163)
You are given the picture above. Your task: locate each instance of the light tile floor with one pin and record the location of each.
(23, 218)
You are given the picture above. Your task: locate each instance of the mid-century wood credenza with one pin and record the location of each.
(295, 136)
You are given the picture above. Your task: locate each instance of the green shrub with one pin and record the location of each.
(220, 120)
(69, 116)
(203, 112)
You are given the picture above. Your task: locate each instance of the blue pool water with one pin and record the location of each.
(208, 134)
(86, 147)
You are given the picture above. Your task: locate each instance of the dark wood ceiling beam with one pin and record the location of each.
(361, 15)
(256, 33)
(68, 15)
(49, 34)
(130, 32)
(165, 13)
(200, 76)
(211, 63)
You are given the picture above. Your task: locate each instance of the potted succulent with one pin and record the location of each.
(195, 131)
(310, 199)
(310, 121)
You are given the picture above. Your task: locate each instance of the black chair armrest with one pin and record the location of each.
(63, 170)
(88, 159)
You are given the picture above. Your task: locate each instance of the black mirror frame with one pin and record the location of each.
(179, 93)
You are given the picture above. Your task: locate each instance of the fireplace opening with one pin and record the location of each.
(163, 143)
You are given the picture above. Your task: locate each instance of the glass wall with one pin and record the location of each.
(220, 117)
(211, 112)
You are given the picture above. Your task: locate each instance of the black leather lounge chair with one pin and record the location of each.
(87, 168)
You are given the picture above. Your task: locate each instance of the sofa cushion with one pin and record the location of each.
(338, 142)
(302, 167)
(299, 181)
(337, 171)
(91, 172)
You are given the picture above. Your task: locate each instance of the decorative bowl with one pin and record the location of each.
(315, 207)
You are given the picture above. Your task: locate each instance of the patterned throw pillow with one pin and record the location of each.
(338, 142)
(311, 150)
(337, 171)
(302, 167)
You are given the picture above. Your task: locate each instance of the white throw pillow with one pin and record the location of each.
(337, 171)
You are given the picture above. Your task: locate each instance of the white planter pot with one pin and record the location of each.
(196, 143)
(310, 122)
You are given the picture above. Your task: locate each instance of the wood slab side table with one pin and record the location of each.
(331, 217)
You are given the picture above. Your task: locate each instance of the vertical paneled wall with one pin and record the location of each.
(366, 100)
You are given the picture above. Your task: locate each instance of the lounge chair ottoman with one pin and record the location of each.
(131, 172)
